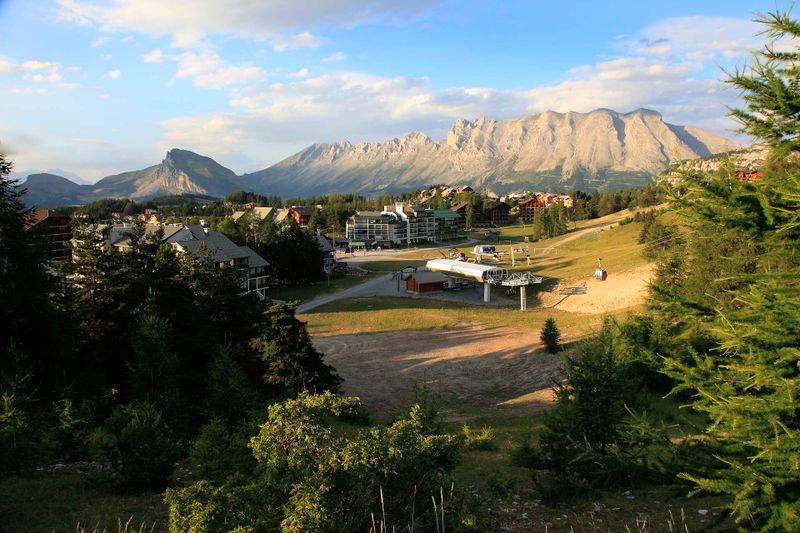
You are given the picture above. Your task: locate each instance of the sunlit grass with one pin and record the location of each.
(372, 315)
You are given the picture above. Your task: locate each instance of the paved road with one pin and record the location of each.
(372, 287)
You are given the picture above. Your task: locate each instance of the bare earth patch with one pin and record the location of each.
(474, 370)
(620, 291)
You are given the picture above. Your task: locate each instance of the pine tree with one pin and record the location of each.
(153, 371)
(292, 362)
(470, 217)
(747, 302)
(550, 336)
(29, 320)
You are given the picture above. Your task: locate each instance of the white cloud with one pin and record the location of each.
(126, 39)
(156, 56)
(699, 37)
(302, 73)
(338, 56)
(37, 71)
(209, 70)
(301, 40)
(100, 41)
(359, 106)
(189, 21)
(114, 74)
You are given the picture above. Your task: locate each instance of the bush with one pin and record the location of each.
(139, 446)
(72, 429)
(24, 430)
(479, 440)
(316, 472)
(220, 451)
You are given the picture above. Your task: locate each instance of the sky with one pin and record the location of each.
(95, 87)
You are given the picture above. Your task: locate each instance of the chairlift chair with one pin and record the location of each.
(601, 273)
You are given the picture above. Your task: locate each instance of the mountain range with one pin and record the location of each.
(602, 150)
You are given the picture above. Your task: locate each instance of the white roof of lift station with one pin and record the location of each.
(470, 270)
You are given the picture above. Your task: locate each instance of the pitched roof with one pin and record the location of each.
(428, 277)
(260, 212)
(444, 213)
(220, 247)
(497, 204)
(35, 216)
(254, 260)
(458, 206)
(281, 214)
(324, 243)
(302, 210)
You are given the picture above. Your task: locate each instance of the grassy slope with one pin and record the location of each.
(576, 259)
(61, 501)
(372, 315)
(572, 261)
(310, 292)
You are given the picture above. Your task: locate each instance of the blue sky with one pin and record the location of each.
(97, 87)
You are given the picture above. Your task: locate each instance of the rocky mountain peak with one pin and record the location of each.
(600, 149)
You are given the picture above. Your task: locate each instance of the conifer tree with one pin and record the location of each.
(551, 336)
(748, 379)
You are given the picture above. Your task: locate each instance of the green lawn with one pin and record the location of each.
(312, 291)
(372, 315)
(575, 259)
(391, 265)
(618, 247)
(62, 501)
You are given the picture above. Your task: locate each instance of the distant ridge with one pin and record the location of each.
(602, 149)
(181, 172)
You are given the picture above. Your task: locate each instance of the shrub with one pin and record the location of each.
(72, 429)
(317, 472)
(479, 440)
(23, 427)
(221, 451)
(139, 446)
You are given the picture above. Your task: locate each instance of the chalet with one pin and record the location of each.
(200, 241)
(325, 244)
(259, 212)
(53, 229)
(528, 207)
(497, 212)
(480, 219)
(749, 175)
(282, 215)
(301, 214)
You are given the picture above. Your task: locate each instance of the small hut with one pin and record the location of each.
(419, 282)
